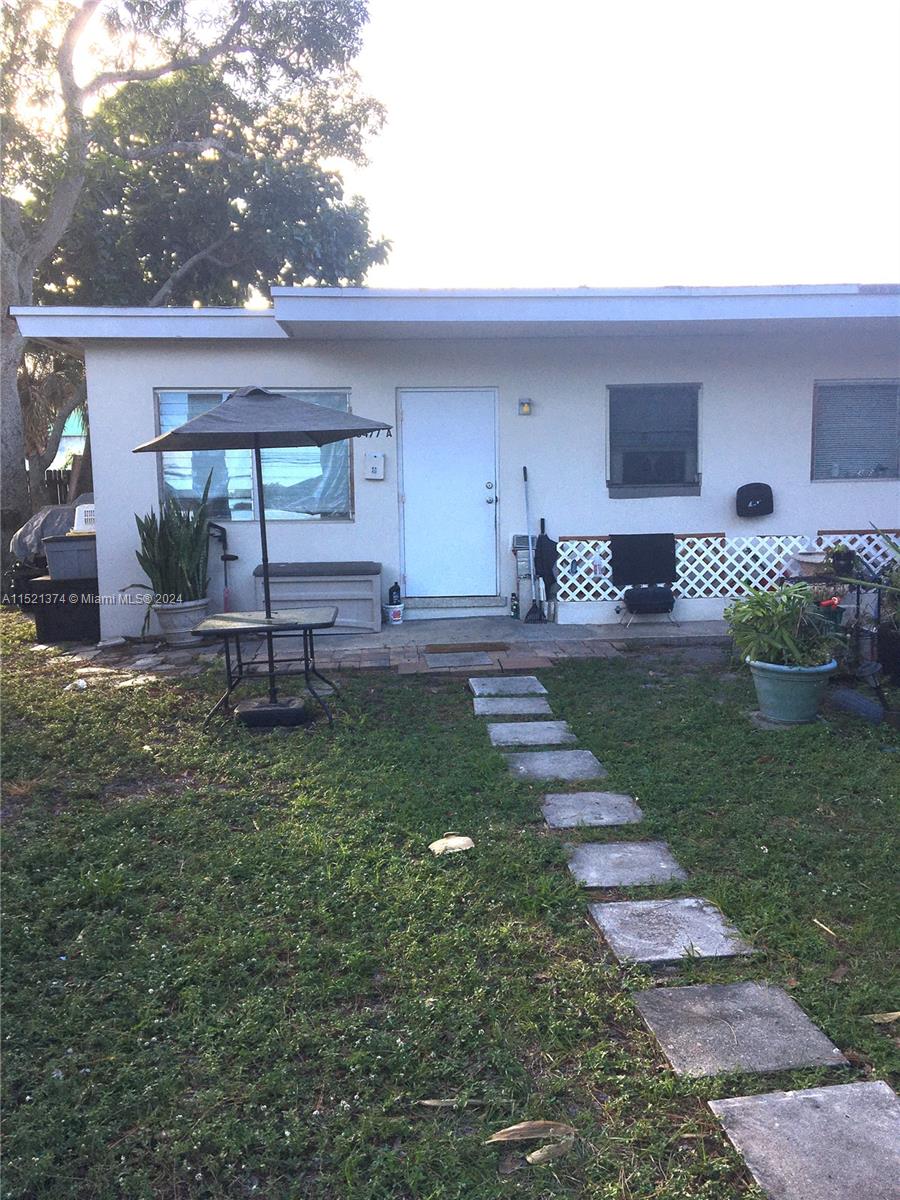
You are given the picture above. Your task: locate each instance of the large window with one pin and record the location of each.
(653, 440)
(856, 430)
(302, 483)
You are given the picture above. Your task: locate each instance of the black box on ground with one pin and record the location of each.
(64, 610)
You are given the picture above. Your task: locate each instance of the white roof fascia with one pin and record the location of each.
(96, 324)
(361, 307)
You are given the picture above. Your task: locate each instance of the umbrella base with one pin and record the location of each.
(260, 713)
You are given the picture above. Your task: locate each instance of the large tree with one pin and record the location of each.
(187, 166)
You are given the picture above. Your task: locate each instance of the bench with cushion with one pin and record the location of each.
(354, 588)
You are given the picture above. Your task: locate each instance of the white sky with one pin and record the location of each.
(634, 142)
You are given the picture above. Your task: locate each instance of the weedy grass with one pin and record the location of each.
(233, 969)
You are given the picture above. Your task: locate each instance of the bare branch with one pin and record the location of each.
(226, 45)
(184, 270)
(146, 153)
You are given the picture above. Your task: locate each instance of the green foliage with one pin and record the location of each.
(174, 551)
(783, 627)
(256, 208)
(232, 967)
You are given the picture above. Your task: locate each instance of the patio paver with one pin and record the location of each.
(564, 765)
(506, 685)
(511, 706)
(462, 658)
(827, 1143)
(710, 1029)
(666, 931)
(567, 810)
(530, 733)
(623, 864)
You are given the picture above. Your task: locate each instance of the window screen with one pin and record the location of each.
(653, 434)
(300, 483)
(856, 431)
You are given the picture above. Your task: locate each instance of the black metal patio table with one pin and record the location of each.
(288, 623)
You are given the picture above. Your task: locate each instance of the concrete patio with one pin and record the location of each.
(492, 643)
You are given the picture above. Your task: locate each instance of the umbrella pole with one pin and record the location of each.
(264, 545)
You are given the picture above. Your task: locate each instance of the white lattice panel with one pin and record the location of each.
(866, 543)
(708, 566)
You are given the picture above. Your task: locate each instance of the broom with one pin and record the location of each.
(535, 614)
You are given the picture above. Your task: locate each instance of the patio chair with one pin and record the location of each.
(644, 565)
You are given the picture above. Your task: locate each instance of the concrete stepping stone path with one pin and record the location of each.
(666, 931)
(713, 1029)
(530, 733)
(511, 706)
(623, 864)
(568, 810)
(506, 685)
(827, 1143)
(564, 765)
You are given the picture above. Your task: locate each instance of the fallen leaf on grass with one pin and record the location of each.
(838, 973)
(548, 1153)
(882, 1018)
(450, 1102)
(451, 844)
(831, 932)
(530, 1130)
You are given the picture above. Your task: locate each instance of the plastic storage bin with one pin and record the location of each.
(71, 557)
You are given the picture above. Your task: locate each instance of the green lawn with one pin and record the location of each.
(233, 968)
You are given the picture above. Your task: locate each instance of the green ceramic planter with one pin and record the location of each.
(790, 695)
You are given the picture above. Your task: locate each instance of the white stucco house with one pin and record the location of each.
(635, 411)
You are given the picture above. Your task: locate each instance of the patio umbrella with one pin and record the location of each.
(256, 419)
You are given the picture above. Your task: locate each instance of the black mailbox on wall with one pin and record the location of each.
(754, 500)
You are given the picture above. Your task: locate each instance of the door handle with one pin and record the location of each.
(490, 500)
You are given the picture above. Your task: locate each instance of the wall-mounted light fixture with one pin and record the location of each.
(526, 408)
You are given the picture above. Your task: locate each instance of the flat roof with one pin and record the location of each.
(360, 313)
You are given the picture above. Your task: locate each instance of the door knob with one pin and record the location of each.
(489, 499)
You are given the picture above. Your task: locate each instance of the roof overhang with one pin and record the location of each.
(367, 313)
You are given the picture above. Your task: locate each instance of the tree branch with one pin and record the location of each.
(185, 269)
(226, 45)
(66, 193)
(147, 153)
(43, 460)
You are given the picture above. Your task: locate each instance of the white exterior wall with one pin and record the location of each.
(755, 424)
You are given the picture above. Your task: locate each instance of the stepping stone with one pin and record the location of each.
(507, 685)
(530, 733)
(566, 810)
(666, 931)
(623, 864)
(511, 706)
(465, 658)
(826, 1143)
(710, 1029)
(567, 765)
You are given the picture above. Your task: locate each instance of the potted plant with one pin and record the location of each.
(789, 646)
(840, 559)
(174, 555)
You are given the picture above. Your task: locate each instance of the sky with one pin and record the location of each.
(615, 143)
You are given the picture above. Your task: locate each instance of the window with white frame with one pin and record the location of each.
(653, 439)
(856, 430)
(301, 483)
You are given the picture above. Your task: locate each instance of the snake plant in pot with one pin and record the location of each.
(174, 555)
(789, 646)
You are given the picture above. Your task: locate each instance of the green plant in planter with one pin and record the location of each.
(784, 627)
(174, 551)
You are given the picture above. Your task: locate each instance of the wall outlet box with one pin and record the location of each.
(374, 464)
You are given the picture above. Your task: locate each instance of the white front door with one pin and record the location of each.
(449, 492)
